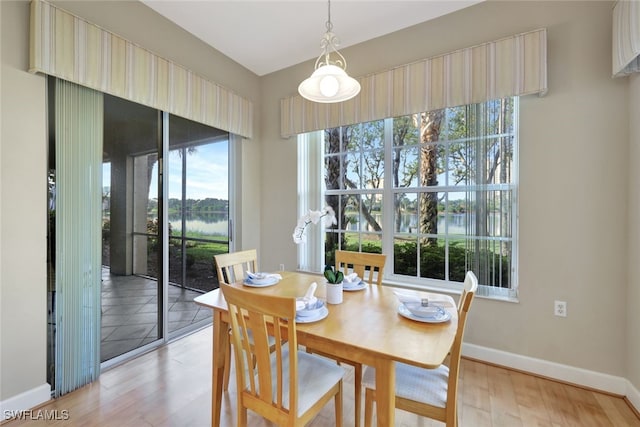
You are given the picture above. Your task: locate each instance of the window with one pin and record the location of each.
(435, 191)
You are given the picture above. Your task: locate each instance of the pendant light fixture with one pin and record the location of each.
(330, 81)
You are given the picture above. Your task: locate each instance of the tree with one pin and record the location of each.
(366, 161)
(430, 123)
(404, 134)
(368, 168)
(333, 176)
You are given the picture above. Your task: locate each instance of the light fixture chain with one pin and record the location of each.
(329, 25)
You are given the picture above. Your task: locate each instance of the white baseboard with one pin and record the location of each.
(569, 374)
(633, 396)
(25, 401)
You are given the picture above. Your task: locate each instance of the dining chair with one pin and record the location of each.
(427, 392)
(364, 265)
(287, 386)
(231, 268)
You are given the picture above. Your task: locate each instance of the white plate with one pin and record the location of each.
(324, 312)
(314, 312)
(404, 311)
(360, 286)
(259, 283)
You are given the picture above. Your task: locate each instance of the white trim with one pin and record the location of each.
(25, 400)
(569, 374)
(234, 184)
(633, 396)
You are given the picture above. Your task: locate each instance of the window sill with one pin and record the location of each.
(454, 289)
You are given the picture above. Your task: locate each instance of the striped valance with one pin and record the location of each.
(626, 38)
(512, 66)
(68, 47)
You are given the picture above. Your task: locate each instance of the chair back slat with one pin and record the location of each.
(470, 282)
(244, 343)
(368, 266)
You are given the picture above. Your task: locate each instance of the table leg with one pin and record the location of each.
(220, 342)
(385, 392)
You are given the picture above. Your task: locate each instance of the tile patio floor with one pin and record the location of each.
(129, 312)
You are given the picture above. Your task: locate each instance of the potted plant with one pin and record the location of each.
(334, 284)
(333, 276)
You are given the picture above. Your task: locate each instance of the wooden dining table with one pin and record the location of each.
(366, 328)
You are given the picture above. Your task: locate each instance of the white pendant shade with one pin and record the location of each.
(329, 83)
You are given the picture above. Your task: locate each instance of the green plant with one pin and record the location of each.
(333, 276)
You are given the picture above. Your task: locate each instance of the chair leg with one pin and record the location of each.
(242, 415)
(338, 404)
(368, 407)
(358, 393)
(227, 368)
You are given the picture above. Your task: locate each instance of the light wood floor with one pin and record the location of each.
(171, 387)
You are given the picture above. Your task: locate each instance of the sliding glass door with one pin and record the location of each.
(165, 214)
(132, 291)
(198, 215)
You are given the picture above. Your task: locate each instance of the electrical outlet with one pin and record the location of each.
(560, 308)
(281, 267)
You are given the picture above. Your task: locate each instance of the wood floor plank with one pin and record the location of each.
(589, 412)
(474, 385)
(473, 416)
(171, 387)
(528, 396)
(617, 410)
(504, 407)
(560, 408)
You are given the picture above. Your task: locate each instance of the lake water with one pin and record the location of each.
(214, 224)
(217, 224)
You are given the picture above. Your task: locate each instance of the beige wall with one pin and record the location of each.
(23, 213)
(573, 179)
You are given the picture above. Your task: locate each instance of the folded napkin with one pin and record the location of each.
(410, 297)
(407, 296)
(308, 300)
(263, 276)
(351, 279)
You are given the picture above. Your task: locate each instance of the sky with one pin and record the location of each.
(207, 173)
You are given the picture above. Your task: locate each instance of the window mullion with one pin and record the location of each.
(388, 198)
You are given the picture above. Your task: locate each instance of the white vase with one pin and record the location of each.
(334, 293)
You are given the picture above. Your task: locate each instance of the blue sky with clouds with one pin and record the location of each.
(207, 173)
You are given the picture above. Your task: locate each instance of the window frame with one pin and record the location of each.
(388, 194)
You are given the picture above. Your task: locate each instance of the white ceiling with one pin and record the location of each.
(266, 36)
